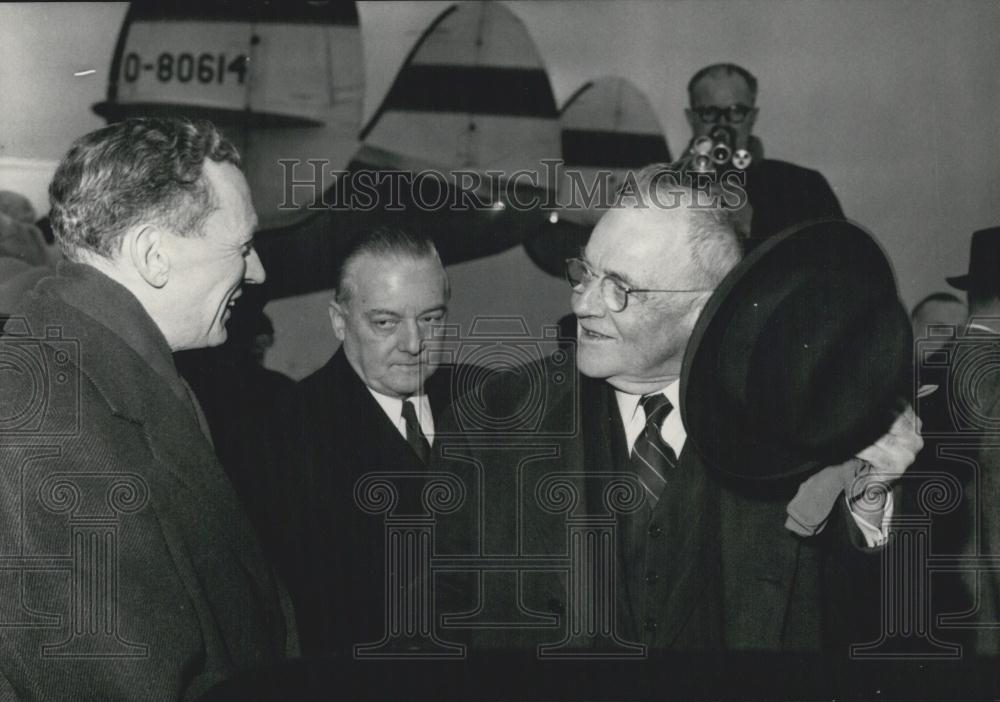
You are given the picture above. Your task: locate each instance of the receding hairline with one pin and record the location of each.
(344, 292)
(723, 70)
(239, 184)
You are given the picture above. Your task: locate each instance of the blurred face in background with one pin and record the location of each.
(722, 98)
(940, 313)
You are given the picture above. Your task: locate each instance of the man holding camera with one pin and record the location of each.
(139, 575)
(780, 193)
(372, 408)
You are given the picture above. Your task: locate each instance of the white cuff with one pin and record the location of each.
(874, 536)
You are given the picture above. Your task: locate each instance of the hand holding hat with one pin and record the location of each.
(801, 358)
(887, 459)
(799, 366)
(866, 479)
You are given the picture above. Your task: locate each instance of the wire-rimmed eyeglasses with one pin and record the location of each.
(614, 292)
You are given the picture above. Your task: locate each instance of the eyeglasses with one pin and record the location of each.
(614, 292)
(710, 114)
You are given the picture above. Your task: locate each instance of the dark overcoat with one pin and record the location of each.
(131, 571)
(710, 568)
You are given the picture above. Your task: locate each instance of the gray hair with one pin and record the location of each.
(138, 170)
(711, 237)
(382, 242)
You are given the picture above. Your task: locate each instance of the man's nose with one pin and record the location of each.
(255, 269)
(410, 339)
(588, 301)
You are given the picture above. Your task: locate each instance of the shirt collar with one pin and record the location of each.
(627, 403)
(393, 406)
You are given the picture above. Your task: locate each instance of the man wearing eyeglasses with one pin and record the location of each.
(780, 193)
(702, 565)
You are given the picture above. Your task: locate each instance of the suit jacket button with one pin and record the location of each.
(650, 624)
(655, 530)
(555, 606)
(651, 577)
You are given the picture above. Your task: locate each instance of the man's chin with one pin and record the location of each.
(591, 366)
(409, 383)
(216, 337)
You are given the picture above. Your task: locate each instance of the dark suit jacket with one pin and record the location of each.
(190, 584)
(712, 568)
(783, 194)
(333, 551)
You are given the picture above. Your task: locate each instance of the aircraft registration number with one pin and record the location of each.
(186, 67)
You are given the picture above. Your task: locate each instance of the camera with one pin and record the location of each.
(959, 368)
(715, 151)
(39, 382)
(502, 379)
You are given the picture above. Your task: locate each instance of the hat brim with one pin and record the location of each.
(959, 282)
(716, 427)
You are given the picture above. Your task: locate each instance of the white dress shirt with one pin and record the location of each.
(673, 433)
(393, 408)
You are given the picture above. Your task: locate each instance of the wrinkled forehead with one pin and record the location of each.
(721, 90)
(647, 247)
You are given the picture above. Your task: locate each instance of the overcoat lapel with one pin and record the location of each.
(172, 433)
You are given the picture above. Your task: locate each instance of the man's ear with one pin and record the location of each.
(144, 247)
(338, 319)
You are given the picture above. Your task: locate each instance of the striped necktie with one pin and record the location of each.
(414, 434)
(651, 457)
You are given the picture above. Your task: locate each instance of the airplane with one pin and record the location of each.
(608, 127)
(286, 82)
(281, 80)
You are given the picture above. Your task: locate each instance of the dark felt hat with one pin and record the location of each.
(984, 263)
(801, 357)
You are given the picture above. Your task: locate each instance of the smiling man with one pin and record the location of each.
(155, 220)
(698, 560)
(371, 408)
